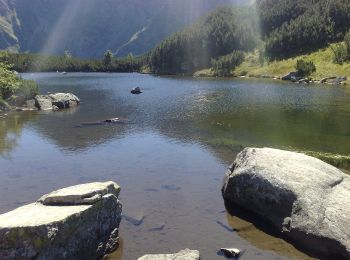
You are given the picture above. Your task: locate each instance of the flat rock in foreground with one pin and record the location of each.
(85, 230)
(303, 197)
(186, 254)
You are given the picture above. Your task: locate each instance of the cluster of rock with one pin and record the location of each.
(304, 198)
(79, 222)
(294, 77)
(56, 101)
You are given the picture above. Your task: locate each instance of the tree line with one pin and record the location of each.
(27, 62)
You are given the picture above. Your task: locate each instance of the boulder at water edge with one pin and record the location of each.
(79, 222)
(57, 100)
(303, 197)
(186, 254)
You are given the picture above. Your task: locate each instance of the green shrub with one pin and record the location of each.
(305, 68)
(347, 44)
(9, 82)
(340, 53)
(225, 64)
(28, 89)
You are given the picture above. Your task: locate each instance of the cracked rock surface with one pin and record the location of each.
(79, 222)
(303, 197)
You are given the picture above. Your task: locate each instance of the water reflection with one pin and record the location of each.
(218, 113)
(11, 127)
(171, 154)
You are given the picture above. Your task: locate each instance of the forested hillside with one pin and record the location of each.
(220, 33)
(278, 29)
(87, 28)
(292, 27)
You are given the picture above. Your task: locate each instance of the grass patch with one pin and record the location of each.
(323, 60)
(337, 160)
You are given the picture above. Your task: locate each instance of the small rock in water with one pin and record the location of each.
(171, 187)
(159, 228)
(230, 252)
(134, 221)
(151, 189)
(136, 90)
(112, 120)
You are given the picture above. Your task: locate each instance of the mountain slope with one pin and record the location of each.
(89, 27)
(220, 33)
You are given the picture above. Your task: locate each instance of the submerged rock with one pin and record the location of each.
(136, 90)
(79, 222)
(302, 197)
(56, 101)
(186, 254)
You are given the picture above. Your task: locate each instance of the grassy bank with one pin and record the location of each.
(253, 67)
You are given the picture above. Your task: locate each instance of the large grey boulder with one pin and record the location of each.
(79, 222)
(56, 100)
(64, 100)
(186, 254)
(43, 102)
(306, 199)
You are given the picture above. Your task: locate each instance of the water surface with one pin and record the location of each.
(170, 154)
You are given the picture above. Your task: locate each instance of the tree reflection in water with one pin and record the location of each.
(11, 127)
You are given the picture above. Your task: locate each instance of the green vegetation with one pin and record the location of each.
(305, 68)
(322, 59)
(342, 50)
(25, 62)
(9, 82)
(265, 39)
(223, 65)
(220, 33)
(340, 53)
(289, 30)
(108, 58)
(292, 27)
(13, 89)
(337, 160)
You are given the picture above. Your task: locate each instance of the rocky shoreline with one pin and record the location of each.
(291, 77)
(301, 197)
(49, 102)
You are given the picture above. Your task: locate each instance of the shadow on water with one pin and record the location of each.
(252, 228)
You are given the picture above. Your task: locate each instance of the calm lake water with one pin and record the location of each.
(170, 154)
